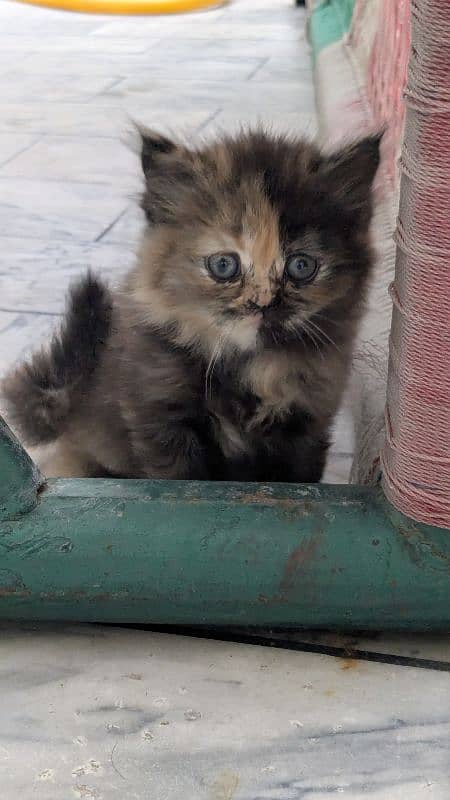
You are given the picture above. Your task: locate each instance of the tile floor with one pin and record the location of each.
(70, 86)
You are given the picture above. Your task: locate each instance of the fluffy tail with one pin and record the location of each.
(42, 393)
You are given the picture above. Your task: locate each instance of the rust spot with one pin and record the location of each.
(109, 547)
(419, 548)
(12, 591)
(300, 556)
(12, 585)
(297, 561)
(348, 664)
(329, 693)
(301, 507)
(393, 584)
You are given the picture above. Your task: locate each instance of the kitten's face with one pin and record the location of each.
(253, 239)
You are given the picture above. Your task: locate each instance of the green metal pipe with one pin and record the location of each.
(223, 554)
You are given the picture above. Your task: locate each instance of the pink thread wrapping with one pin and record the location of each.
(386, 80)
(416, 456)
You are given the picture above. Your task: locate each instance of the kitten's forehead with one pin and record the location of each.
(253, 234)
(260, 234)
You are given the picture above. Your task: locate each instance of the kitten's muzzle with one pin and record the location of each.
(265, 309)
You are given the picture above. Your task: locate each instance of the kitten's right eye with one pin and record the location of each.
(224, 266)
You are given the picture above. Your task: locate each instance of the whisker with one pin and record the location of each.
(314, 338)
(323, 333)
(310, 333)
(215, 356)
(212, 362)
(329, 319)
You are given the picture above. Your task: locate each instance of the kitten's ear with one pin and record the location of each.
(352, 171)
(153, 145)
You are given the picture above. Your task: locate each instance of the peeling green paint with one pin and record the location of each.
(215, 554)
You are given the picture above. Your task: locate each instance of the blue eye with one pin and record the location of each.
(224, 266)
(301, 268)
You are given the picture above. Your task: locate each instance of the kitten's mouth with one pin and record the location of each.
(241, 315)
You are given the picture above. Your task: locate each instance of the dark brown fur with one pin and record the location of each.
(178, 376)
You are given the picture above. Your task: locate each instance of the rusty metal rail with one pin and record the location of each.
(214, 554)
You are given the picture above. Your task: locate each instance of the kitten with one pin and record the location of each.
(225, 354)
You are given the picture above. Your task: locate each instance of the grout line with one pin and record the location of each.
(111, 225)
(68, 182)
(255, 71)
(78, 136)
(40, 136)
(31, 311)
(210, 119)
(105, 89)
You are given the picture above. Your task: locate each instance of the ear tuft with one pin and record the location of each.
(358, 160)
(153, 145)
(351, 172)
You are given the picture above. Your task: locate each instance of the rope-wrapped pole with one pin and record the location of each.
(416, 456)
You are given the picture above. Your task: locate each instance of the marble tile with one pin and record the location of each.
(127, 229)
(57, 211)
(75, 44)
(87, 119)
(15, 19)
(20, 333)
(190, 28)
(219, 47)
(29, 267)
(11, 144)
(21, 86)
(157, 25)
(95, 64)
(112, 713)
(199, 66)
(337, 469)
(276, 13)
(284, 70)
(157, 64)
(84, 160)
(234, 96)
(343, 429)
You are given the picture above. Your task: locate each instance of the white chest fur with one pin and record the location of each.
(277, 381)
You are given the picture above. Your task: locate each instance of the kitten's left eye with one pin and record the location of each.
(301, 268)
(224, 266)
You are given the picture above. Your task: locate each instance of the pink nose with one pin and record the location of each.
(258, 305)
(262, 298)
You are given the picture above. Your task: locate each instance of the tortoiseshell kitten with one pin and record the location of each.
(225, 354)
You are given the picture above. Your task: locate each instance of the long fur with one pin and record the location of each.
(41, 394)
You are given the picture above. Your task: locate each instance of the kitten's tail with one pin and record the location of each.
(42, 393)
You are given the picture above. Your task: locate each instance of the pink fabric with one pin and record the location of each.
(416, 456)
(386, 79)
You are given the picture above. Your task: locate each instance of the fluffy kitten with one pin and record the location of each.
(225, 354)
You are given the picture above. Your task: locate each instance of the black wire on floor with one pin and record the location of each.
(265, 639)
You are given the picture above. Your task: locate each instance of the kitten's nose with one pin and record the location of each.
(261, 306)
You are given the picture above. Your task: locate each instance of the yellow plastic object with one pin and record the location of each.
(127, 6)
